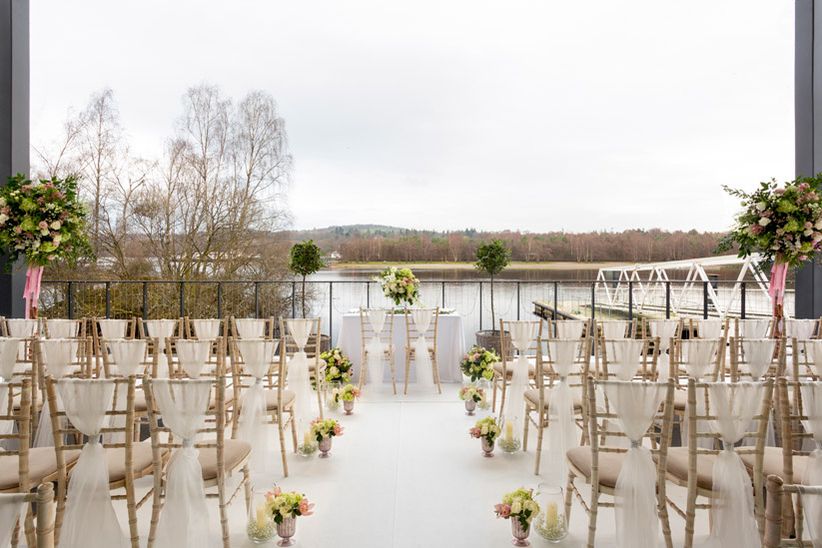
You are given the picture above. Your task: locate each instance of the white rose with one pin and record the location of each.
(3, 218)
(484, 430)
(818, 224)
(516, 508)
(764, 221)
(2, 202)
(761, 206)
(56, 225)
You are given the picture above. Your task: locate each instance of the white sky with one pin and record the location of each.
(447, 114)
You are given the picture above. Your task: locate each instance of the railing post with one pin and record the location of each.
(519, 304)
(556, 301)
(182, 299)
(630, 300)
(70, 299)
(705, 300)
(145, 300)
(219, 299)
(667, 300)
(480, 307)
(442, 299)
(367, 295)
(256, 299)
(330, 311)
(108, 299)
(593, 301)
(742, 302)
(293, 299)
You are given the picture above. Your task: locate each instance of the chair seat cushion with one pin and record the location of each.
(272, 401)
(773, 461)
(42, 463)
(677, 467)
(609, 465)
(680, 400)
(141, 461)
(235, 452)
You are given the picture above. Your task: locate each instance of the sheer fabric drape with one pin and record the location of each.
(614, 329)
(813, 351)
(522, 334)
(422, 321)
(89, 519)
(206, 329)
(22, 329)
(636, 404)
(812, 403)
(250, 328)
(708, 329)
(192, 355)
(184, 519)
(734, 405)
(10, 512)
(61, 329)
(758, 356)
(127, 356)
(6, 427)
(665, 330)
(562, 432)
(699, 356)
(299, 379)
(624, 357)
(113, 329)
(258, 355)
(569, 329)
(755, 329)
(800, 328)
(376, 319)
(8, 357)
(58, 356)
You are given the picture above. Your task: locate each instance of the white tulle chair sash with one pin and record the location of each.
(811, 393)
(569, 329)
(758, 355)
(734, 405)
(708, 329)
(664, 330)
(562, 431)
(801, 329)
(422, 321)
(615, 329)
(376, 319)
(127, 356)
(206, 329)
(89, 520)
(21, 329)
(299, 376)
(258, 355)
(184, 517)
(113, 329)
(250, 328)
(59, 356)
(698, 356)
(755, 328)
(8, 356)
(635, 405)
(11, 508)
(6, 426)
(62, 329)
(193, 355)
(624, 357)
(813, 355)
(161, 330)
(522, 335)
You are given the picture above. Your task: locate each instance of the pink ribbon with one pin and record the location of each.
(779, 274)
(31, 293)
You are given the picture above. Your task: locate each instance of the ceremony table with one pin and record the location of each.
(450, 345)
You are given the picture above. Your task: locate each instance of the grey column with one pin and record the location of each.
(14, 126)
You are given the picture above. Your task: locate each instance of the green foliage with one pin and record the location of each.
(305, 258)
(492, 257)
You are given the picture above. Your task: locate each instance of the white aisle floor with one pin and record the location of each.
(406, 474)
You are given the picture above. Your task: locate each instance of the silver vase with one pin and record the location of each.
(487, 448)
(470, 406)
(286, 530)
(519, 533)
(348, 406)
(325, 448)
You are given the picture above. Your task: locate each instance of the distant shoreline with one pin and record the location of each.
(516, 265)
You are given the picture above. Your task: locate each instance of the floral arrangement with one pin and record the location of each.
(472, 393)
(400, 285)
(486, 428)
(349, 392)
(288, 505)
(478, 364)
(41, 221)
(782, 223)
(325, 428)
(519, 504)
(337, 366)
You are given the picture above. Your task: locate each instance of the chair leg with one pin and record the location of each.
(407, 370)
(504, 390)
(436, 367)
(569, 493)
(223, 512)
(156, 504)
(690, 514)
(29, 526)
(282, 445)
(131, 507)
(494, 396)
(592, 516)
(525, 430)
(294, 439)
(393, 367)
(363, 369)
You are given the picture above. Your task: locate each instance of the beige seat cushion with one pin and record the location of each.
(42, 463)
(773, 461)
(234, 453)
(677, 466)
(141, 461)
(272, 401)
(609, 465)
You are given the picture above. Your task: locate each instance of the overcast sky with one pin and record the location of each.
(447, 114)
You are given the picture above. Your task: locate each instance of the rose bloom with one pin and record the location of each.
(305, 508)
(337, 430)
(503, 510)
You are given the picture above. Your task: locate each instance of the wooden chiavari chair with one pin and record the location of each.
(110, 328)
(806, 358)
(599, 463)
(288, 348)
(802, 329)
(775, 523)
(43, 502)
(537, 400)
(412, 333)
(692, 466)
(59, 328)
(279, 400)
(127, 461)
(752, 328)
(683, 365)
(221, 458)
(612, 330)
(252, 328)
(204, 328)
(744, 364)
(386, 338)
(567, 329)
(645, 359)
(502, 369)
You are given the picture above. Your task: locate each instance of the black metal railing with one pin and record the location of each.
(331, 299)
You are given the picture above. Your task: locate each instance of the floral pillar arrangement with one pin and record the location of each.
(400, 285)
(42, 221)
(784, 225)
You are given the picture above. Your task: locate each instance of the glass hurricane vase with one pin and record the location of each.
(261, 527)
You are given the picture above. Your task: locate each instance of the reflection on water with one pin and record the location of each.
(467, 274)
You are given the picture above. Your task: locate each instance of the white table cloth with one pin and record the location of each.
(450, 346)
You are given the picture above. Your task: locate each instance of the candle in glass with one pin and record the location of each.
(307, 439)
(262, 516)
(551, 515)
(509, 431)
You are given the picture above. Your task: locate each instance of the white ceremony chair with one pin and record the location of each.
(779, 493)
(525, 349)
(13, 504)
(300, 359)
(421, 331)
(376, 345)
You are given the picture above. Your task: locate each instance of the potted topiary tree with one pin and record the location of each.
(305, 260)
(492, 258)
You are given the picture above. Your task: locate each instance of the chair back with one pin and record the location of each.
(806, 358)
(752, 359)
(195, 358)
(752, 328)
(12, 505)
(370, 318)
(624, 359)
(705, 328)
(777, 531)
(568, 329)
(127, 357)
(615, 329)
(203, 328)
(697, 358)
(416, 325)
(252, 328)
(801, 329)
(59, 328)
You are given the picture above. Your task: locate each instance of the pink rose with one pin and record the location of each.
(337, 430)
(18, 230)
(503, 510)
(756, 230)
(306, 509)
(43, 225)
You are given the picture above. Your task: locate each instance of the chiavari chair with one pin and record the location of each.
(204, 328)
(289, 348)
(429, 332)
(370, 338)
(779, 494)
(43, 502)
(502, 369)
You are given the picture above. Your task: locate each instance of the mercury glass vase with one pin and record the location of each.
(519, 533)
(348, 406)
(286, 530)
(487, 447)
(325, 448)
(470, 406)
